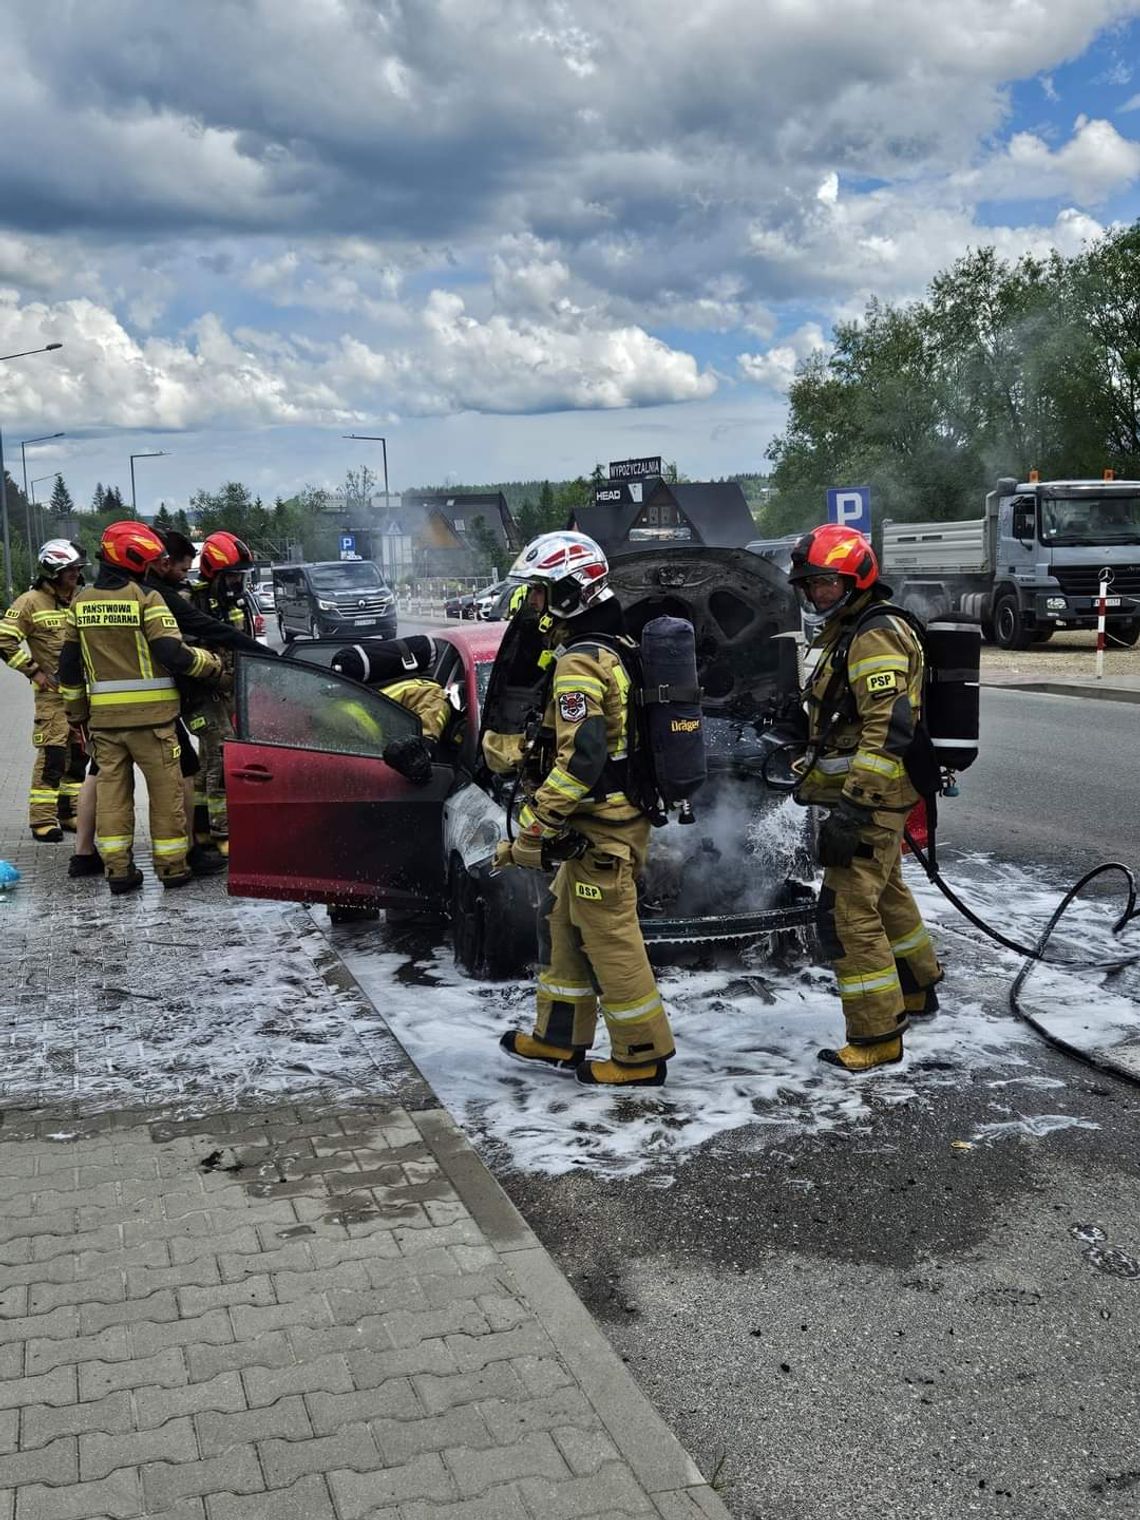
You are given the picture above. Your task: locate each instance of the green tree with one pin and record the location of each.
(163, 520)
(61, 502)
(489, 553)
(97, 497)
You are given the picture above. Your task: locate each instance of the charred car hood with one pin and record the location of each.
(738, 605)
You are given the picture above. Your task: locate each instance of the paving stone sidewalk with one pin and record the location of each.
(321, 1306)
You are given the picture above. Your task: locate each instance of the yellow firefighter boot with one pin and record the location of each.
(533, 1052)
(857, 1059)
(610, 1074)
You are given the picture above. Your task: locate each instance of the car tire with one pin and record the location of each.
(1125, 633)
(342, 913)
(1043, 635)
(1010, 631)
(474, 905)
(287, 636)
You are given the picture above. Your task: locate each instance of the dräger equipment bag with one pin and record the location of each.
(667, 758)
(671, 727)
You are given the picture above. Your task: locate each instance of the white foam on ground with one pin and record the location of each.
(747, 1039)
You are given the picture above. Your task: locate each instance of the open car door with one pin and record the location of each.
(315, 814)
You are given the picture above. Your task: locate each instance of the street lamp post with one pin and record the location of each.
(23, 354)
(152, 454)
(46, 438)
(383, 442)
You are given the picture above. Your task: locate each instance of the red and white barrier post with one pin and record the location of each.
(1101, 615)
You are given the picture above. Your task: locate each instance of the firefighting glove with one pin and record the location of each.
(840, 833)
(411, 758)
(524, 850)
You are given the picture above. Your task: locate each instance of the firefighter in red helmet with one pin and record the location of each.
(864, 700)
(223, 565)
(121, 653)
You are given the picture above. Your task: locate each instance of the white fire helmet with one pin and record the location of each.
(59, 554)
(570, 567)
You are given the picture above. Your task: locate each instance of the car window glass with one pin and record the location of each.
(295, 704)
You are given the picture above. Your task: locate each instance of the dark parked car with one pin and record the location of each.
(462, 607)
(333, 598)
(316, 815)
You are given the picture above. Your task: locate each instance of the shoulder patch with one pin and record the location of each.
(572, 706)
(588, 891)
(882, 681)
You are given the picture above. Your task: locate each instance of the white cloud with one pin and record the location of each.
(776, 369)
(1092, 165)
(105, 377)
(1132, 104)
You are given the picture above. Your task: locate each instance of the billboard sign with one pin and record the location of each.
(618, 493)
(635, 469)
(850, 507)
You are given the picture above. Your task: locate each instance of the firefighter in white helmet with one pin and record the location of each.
(594, 955)
(31, 637)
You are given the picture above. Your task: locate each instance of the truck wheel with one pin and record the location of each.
(1043, 635)
(1125, 633)
(1009, 629)
(487, 939)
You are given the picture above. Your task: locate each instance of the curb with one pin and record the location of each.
(653, 1453)
(1067, 689)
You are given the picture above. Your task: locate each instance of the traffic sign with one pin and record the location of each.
(850, 507)
(348, 546)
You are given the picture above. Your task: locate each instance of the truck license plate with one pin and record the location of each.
(1112, 601)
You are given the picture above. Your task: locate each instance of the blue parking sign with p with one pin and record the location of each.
(348, 543)
(850, 507)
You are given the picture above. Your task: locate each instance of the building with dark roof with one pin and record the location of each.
(633, 514)
(447, 540)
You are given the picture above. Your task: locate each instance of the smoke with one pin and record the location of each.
(738, 857)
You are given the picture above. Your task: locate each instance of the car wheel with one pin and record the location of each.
(1125, 633)
(1043, 635)
(1009, 627)
(341, 913)
(475, 904)
(287, 636)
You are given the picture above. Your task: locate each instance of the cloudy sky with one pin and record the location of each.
(513, 236)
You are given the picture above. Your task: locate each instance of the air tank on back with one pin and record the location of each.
(954, 655)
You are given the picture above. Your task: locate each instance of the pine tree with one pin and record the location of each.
(182, 522)
(98, 499)
(163, 521)
(61, 502)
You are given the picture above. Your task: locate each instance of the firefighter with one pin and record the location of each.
(222, 566)
(31, 637)
(595, 958)
(121, 653)
(375, 663)
(863, 703)
(169, 577)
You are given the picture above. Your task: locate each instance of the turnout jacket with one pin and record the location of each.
(585, 729)
(199, 623)
(426, 699)
(36, 619)
(862, 719)
(121, 652)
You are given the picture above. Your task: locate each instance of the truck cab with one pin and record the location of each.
(1034, 563)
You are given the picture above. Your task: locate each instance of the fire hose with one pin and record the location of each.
(1035, 955)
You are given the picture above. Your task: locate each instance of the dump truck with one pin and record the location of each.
(1032, 564)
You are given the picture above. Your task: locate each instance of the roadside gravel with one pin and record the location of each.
(1066, 655)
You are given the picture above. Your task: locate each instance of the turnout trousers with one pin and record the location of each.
(59, 764)
(156, 753)
(211, 726)
(871, 930)
(594, 956)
